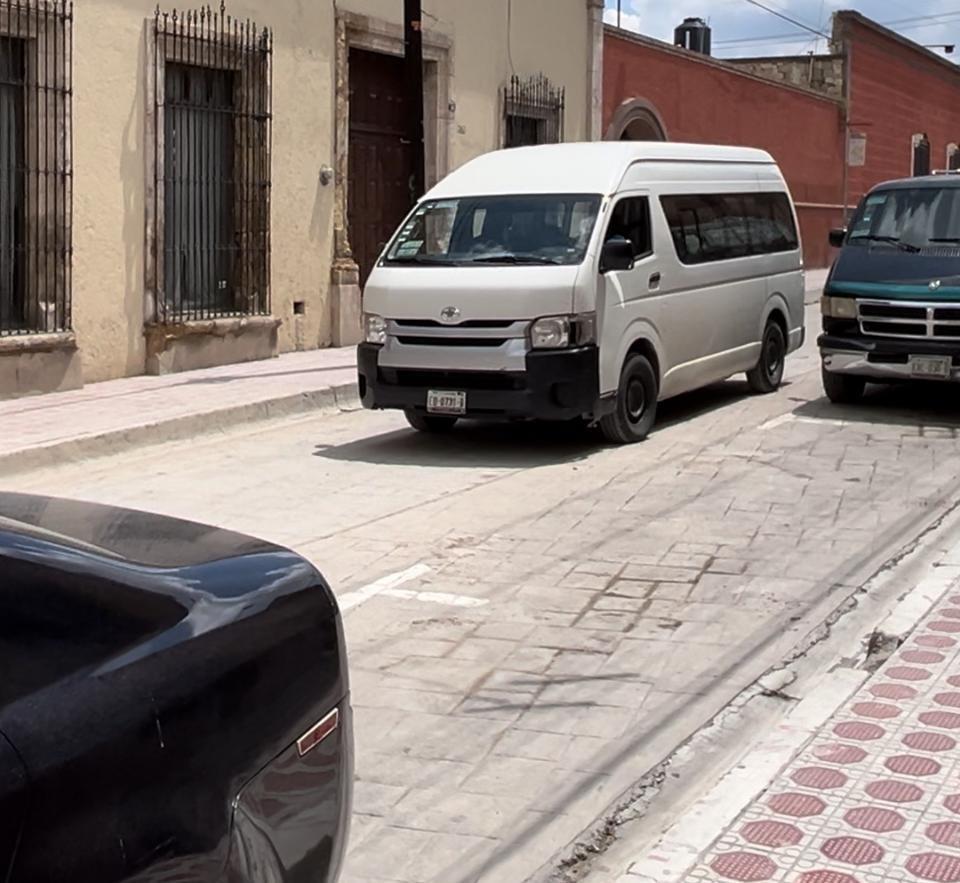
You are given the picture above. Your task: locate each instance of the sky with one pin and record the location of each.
(742, 29)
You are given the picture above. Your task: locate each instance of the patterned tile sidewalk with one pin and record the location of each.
(875, 796)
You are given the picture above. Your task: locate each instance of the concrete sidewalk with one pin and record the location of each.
(103, 417)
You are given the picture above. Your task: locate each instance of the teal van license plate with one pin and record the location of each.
(937, 367)
(446, 402)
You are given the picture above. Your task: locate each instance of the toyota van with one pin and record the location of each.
(584, 281)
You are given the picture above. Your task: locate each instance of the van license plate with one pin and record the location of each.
(446, 402)
(931, 366)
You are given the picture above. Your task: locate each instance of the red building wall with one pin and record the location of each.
(897, 90)
(704, 101)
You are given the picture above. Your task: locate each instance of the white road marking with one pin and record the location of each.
(389, 587)
(777, 421)
(682, 845)
(783, 419)
(354, 599)
(436, 598)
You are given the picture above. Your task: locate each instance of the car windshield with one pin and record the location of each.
(909, 219)
(490, 230)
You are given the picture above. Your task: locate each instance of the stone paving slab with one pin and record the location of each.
(104, 417)
(875, 796)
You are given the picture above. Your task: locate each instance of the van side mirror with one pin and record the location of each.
(837, 236)
(617, 254)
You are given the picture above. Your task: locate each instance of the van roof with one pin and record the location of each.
(589, 167)
(938, 182)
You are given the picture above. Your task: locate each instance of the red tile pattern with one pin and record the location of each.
(875, 796)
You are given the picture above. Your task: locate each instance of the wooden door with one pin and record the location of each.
(381, 156)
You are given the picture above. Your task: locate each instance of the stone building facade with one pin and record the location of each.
(198, 189)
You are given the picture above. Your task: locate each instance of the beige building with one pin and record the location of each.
(179, 190)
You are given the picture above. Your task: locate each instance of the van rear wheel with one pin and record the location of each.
(430, 423)
(767, 375)
(635, 410)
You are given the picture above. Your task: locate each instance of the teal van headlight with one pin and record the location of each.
(838, 307)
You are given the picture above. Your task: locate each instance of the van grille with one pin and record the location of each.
(496, 380)
(914, 320)
(453, 341)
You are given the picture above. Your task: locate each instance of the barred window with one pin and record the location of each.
(35, 166)
(211, 225)
(953, 157)
(533, 111)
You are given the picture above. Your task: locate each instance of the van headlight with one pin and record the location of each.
(374, 329)
(838, 307)
(560, 332)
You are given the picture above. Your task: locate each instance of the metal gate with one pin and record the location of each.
(211, 229)
(35, 165)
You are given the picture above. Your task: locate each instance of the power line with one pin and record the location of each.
(904, 24)
(787, 18)
(913, 18)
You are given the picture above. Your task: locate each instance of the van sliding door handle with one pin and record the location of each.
(655, 281)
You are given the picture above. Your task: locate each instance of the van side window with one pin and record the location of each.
(772, 228)
(721, 227)
(631, 220)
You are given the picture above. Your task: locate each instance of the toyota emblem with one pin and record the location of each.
(935, 284)
(450, 314)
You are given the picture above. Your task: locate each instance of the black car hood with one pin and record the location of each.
(95, 588)
(137, 537)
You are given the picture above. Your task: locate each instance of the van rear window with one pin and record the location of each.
(721, 227)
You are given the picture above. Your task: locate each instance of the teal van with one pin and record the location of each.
(891, 305)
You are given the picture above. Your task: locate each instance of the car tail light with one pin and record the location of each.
(317, 733)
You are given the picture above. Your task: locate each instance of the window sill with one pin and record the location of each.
(224, 327)
(15, 344)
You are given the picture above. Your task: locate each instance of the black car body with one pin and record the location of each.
(173, 703)
(891, 306)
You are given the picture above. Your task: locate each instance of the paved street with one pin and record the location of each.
(535, 620)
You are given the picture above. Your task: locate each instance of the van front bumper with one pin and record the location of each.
(882, 359)
(556, 385)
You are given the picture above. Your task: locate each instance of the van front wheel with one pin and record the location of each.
(767, 375)
(636, 406)
(843, 389)
(429, 423)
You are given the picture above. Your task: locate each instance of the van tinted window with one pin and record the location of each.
(721, 227)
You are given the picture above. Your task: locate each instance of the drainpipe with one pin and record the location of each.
(595, 70)
(413, 71)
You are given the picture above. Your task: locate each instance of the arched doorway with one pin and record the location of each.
(637, 120)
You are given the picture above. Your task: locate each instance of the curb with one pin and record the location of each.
(329, 400)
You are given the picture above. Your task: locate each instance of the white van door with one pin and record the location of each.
(627, 298)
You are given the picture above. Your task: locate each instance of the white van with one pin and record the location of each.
(584, 281)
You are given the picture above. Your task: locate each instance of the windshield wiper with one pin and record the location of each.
(422, 260)
(946, 239)
(514, 259)
(893, 240)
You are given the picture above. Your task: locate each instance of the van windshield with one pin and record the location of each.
(910, 220)
(493, 230)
